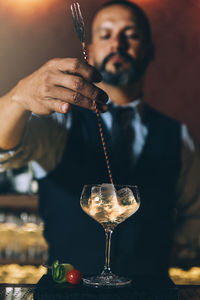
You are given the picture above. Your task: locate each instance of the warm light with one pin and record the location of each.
(14, 274)
(27, 7)
(191, 276)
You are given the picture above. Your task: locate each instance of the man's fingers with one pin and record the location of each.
(75, 66)
(79, 85)
(72, 97)
(70, 81)
(55, 105)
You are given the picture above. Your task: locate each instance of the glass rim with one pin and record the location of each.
(117, 185)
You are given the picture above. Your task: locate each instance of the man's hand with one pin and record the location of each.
(57, 84)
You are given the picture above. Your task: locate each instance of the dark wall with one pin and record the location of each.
(29, 39)
(172, 83)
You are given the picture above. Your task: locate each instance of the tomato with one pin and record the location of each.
(74, 276)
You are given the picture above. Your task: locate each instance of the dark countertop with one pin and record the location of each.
(25, 292)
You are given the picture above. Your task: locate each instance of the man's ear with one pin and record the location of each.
(90, 55)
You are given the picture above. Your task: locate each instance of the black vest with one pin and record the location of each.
(140, 244)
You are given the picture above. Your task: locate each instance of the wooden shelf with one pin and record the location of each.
(19, 202)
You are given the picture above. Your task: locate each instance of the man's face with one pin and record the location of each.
(116, 49)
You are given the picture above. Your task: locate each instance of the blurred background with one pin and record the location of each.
(34, 31)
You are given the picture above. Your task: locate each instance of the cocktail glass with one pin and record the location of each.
(109, 205)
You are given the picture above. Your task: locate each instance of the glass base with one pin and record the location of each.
(110, 280)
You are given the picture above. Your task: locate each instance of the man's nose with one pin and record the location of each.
(119, 43)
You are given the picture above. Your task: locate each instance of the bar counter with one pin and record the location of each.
(26, 291)
(21, 285)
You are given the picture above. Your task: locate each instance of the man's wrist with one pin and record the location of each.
(14, 101)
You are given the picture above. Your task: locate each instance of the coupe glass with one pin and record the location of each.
(109, 205)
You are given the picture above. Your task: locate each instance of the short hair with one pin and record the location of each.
(141, 20)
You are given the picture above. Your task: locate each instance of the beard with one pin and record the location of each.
(121, 77)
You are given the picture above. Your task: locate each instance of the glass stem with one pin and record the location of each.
(107, 270)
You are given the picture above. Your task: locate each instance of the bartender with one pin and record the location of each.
(49, 118)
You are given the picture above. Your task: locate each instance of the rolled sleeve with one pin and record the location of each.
(43, 142)
(12, 158)
(7, 155)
